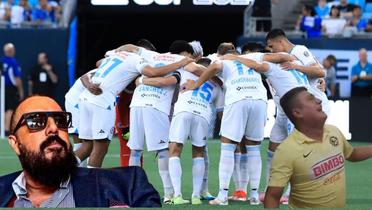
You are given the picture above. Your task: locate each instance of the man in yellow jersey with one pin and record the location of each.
(312, 158)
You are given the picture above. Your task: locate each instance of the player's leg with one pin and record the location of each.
(254, 135)
(199, 136)
(232, 131)
(85, 131)
(156, 125)
(178, 133)
(136, 140)
(103, 130)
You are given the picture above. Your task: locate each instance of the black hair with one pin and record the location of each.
(253, 47)
(204, 61)
(275, 33)
(146, 44)
(334, 7)
(180, 46)
(289, 101)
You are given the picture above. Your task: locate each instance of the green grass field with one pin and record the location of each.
(359, 175)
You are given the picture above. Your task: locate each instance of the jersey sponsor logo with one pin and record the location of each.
(245, 80)
(144, 95)
(328, 165)
(334, 141)
(197, 103)
(307, 154)
(243, 88)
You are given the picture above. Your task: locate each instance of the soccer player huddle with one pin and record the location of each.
(176, 97)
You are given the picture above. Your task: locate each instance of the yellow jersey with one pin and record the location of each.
(316, 170)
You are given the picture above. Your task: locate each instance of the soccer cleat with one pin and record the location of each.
(239, 196)
(167, 200)
(196, 201)
(179, 200)
(207, 196)
(254, 201)
(219, 202)
(284, 200)
(254, 198)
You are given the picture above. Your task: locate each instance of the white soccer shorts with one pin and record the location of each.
(244, 118)
(96, 122)
(150, 125)
(74, 109)
(184, 125)
(282, 127)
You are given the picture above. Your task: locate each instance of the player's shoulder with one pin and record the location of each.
(333, 130)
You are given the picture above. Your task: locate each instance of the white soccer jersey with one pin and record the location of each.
(159, 98)
(214, 57)
(201, 100)
(76, 89)
(148, 55)
(241, 83)
(307, 59)
(113, 75)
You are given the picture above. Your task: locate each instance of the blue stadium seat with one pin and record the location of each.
(368, 7)
(367, 15)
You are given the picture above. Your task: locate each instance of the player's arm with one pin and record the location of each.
(194, 68)
(91, 87)
(314, 71)
(360, 153)
(212, 70)
(272, 197)
(277, 57)
(160, 81)
(164, 70)
(259, 67)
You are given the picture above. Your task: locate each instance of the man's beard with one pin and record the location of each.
(49, 172)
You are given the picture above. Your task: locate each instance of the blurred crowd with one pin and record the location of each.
(336, 18)
(30, 13)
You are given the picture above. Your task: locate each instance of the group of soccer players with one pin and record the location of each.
(164, 116)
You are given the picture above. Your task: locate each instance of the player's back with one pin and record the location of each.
(241, 82)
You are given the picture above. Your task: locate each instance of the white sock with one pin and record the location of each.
(244, 175)
(84, 163)
(78, 160)
(270, 155)
(204, 188)
(175, 172)
(88, 166)
(163, 163)
(288, 190)
(198, 168)
(226, 168)
(135, 158)
(236, 173)
(76, 146)
(254, 164)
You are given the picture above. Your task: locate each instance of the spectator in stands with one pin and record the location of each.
(13, 82)
(50, 177)
(309, 23)
(345, 9)
(329, 65)
(369, 26)
(357, 20)
(334, 25)
(361, 76)
(43, 14)
(42, 80)
(5, 10)
(20, 13)
(322, 9)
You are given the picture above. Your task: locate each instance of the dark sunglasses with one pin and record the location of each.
(37, 121)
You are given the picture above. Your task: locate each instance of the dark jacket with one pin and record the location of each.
(100, 188)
